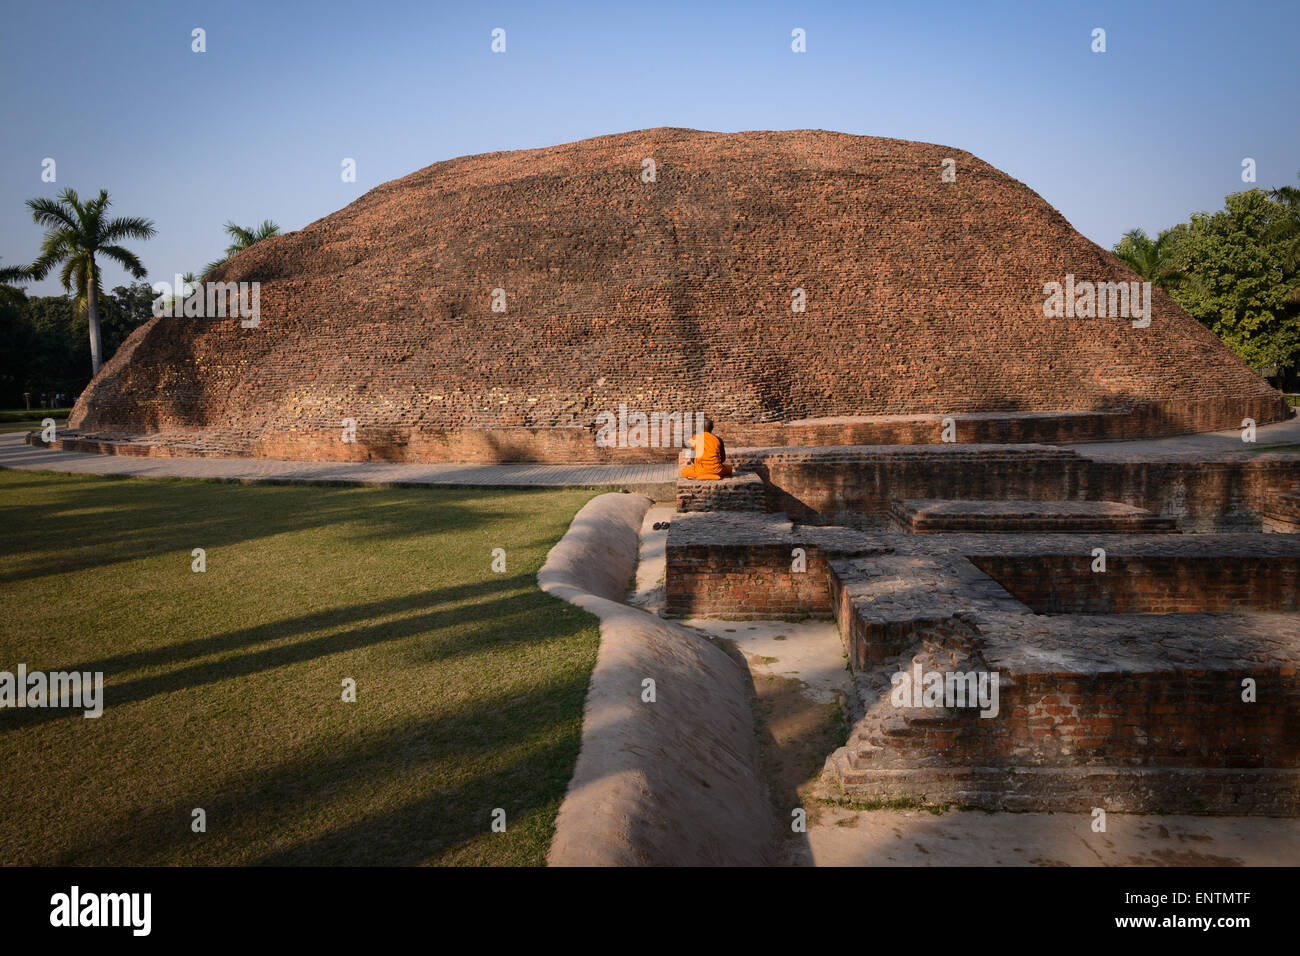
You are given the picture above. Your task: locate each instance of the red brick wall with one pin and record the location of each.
(1059, 584)
(922, 298)
(1165, 719)
(1201, 495)
(813, 489)
(745, 583)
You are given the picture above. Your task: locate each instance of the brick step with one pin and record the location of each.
(1280, 512)
(1135, 789)
(743, 491)
(1018, 516)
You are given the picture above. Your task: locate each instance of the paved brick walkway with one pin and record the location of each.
(15, 454)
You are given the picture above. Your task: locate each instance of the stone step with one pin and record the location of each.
(1018, 516)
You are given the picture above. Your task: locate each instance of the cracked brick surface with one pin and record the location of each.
(924, 298)
(1129, 695)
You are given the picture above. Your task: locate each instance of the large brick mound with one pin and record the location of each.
(923, 298)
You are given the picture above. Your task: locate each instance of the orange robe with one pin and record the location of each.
(710, 455)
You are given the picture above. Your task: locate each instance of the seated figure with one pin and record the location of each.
(710, 456)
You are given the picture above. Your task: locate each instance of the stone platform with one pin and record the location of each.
(1128, 695)
(932, 516)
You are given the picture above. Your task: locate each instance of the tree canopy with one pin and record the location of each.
(1235, 270)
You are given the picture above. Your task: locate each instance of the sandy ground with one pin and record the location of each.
(971, 838)
(800, 669)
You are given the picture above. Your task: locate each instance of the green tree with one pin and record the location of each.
(46, 342)
(8, 276)
(1285, 230)
(1239, 277)
(1152, 259)
(189, 281)
(242, 238)
(75, 233)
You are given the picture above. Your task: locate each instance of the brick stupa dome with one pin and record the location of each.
(923, 297)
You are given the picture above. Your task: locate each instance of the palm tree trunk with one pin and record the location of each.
(92, 315)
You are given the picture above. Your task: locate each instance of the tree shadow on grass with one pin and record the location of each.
(493, 631)
(117, 521)
(258, 804)
(301, 624)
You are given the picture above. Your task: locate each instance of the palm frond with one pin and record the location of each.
(15, 274)
(243, 238)
(47, 212)
(126, 259)
(126, 227)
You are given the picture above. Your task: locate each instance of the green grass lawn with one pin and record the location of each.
(22, 420)
(223, 688)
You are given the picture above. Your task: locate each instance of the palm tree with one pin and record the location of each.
(10, 275)
(179, 295)
(1152, 259)
(1286, 227)
(75, 232)
(243, 238)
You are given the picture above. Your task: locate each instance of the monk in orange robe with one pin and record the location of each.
(710, 456)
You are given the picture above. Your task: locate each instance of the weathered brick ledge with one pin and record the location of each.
(1125, 695)
(321, 440)
(933, 516)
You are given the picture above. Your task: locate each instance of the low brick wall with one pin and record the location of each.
(162, 432)
(1066, 584)
(857, 487)
(1166, 718)
(1139, 420)
(1140, 712)
(1090, 713)
(1203, 496)
(752, 582)
(1170, 740)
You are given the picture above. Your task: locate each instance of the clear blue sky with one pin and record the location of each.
(1142, 135)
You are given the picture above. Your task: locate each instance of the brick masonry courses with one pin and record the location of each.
(934, 516)
(924, 299)
(1281, 513)
(1124, 711)
(743, 491)
(857, 486)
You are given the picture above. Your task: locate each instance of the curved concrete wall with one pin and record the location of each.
(675, 782)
